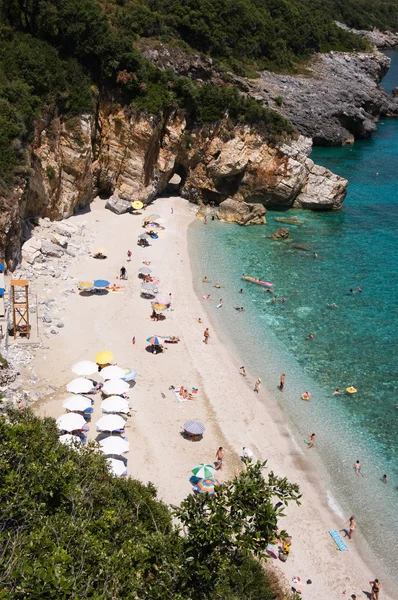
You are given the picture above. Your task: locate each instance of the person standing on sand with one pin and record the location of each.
(243, 371)
(257, 385)
(133, 340)
(351, 527)
(123, 273)
(206, 335)
(375, 590)
(219, 459)
(129, 255)
(172, 210)
(282, 382)
(312, 437)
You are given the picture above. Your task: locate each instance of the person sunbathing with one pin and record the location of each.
(99, 255)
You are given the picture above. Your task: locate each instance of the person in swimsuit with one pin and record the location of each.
(282, 382)
(206, 335)
(357, 468)
(243, 371)
(219, 459)
(257, 385)
(384, 479)
(312, 437)
(352, 527)
(375, 589)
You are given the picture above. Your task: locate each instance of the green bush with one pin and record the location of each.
(50, 172)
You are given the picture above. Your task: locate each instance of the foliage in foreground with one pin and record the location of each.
(68, 529)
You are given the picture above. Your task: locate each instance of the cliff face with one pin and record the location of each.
(336, 101)
(133, 157)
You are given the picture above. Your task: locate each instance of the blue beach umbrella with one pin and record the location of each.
(101, 283)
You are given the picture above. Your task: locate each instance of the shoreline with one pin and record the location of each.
(225, 402)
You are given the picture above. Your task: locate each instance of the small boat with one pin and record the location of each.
(351, 390)
(258, 281)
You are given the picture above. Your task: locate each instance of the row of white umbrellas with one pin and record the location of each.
(74, 422)
(113, 404)
(110, 387)
(87, 367)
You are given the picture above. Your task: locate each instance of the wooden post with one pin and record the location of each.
(20, 307)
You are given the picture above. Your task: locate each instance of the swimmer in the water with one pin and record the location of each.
(333, 305)
(337, 392)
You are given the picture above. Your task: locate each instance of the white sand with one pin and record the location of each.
(233, 414)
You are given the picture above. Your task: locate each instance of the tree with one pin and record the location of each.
(237, 522)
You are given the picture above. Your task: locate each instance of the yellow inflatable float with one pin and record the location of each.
(351, 390)
(306, 396)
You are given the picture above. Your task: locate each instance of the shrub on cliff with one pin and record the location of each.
(69, 529)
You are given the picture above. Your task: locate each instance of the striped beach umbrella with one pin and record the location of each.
(207, 485)
(194, 427)
(154, 341)
(204, 471)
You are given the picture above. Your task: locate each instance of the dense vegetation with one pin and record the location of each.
(68, 529)
(67, 53)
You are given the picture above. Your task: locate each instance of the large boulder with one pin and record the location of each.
(117, 205)
(323, 191)
(242, 213)
(31, 250)
(50, 249)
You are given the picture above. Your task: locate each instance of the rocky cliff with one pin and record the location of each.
(133, 156)
(335, 101)
(379, 39)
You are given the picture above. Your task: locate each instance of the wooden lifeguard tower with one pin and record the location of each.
(20, 307)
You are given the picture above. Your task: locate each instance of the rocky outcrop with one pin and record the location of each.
(336, 101)
(136, 156)
(281, 234)
(379, 39)
(241, 213)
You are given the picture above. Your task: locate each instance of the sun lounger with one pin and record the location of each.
(339, 542)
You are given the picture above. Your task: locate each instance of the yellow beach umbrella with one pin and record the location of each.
(137, 205)
(104, 357)
(159, 306)
(86, 284)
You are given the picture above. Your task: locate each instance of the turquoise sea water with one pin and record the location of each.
(355, 343)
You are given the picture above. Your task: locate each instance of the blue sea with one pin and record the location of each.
(355, 343)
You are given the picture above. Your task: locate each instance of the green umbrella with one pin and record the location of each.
(204, 471)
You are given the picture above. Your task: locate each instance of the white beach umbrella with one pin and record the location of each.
(110, 423)
(118, 467)
(115, 386)
(114, 445)
(85, 367)
(79, 403)
(69, 439)
(145, 270)
(114, 404)
(112, 372)
(79, 386)
(70, 422)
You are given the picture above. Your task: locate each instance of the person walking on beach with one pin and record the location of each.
(206, 335)
(357, 469)
(219, 459)
(123, 273)
(282, 382)
(172, 210)
(351, 529)
(312, 437)
(257, 385)
(129, 255)
(133, 340)
(375, 589)
(243, 371)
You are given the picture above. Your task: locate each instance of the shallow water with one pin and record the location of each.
(354, 344)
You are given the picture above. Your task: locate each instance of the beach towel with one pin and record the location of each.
(178, 397)
(339, 542)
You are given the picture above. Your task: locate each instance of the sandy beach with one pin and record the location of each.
(234, 416)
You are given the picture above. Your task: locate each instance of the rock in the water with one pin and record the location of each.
(117, 205)
(242, 213)
(395, 92)
(289, 220)
(281, 234)
(323, 191)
